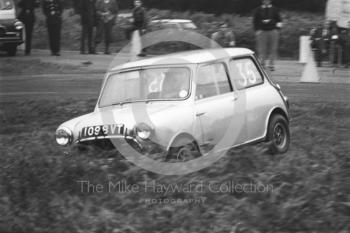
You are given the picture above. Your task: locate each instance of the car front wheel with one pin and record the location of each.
(278, 135)
(183, 150)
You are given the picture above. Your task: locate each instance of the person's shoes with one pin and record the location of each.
(56, 54)
(271, 68)
(107, 52)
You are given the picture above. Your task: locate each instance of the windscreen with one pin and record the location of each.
(146, 85)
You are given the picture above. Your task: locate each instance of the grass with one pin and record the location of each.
(39, 190)
(295, 25)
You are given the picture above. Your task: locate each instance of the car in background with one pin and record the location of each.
(178, 24)
(11, 29)
(185, 103)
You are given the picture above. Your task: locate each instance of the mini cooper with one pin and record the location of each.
(11, 29)
(184, 105)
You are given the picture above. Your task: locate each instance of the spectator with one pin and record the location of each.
(267, 22)
(53, 11)
(344, 42)
(27, 16)
(225, 36)
(87, 11)
(106, 11)
(139, 21)
(320, 38)
(333, 42)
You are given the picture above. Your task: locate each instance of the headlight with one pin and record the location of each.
(143, 131)
(64, 136)
(18, 25)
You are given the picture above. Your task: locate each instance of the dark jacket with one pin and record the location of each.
(320, 38)
(102, 8)
(87, 10)
(266, 18)
(52, 9)
(139, 16)
(27, 10)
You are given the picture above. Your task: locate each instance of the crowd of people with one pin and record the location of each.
(97, 20)
(99, 16)
(331, 42)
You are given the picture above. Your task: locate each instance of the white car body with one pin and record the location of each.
(202, 112)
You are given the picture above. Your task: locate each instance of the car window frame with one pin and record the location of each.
(227, 71)
(257, 65)
(140, 68)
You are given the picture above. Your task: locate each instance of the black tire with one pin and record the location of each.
(183, 150)
(11, 50)
(278, 134)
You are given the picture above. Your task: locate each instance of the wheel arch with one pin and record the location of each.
(275, 111)
(180, 136)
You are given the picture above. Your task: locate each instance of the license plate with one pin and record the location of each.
(102, 131)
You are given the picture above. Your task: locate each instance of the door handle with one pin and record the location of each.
(200, 114)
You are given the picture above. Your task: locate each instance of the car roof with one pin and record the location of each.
(189, 57)
(172, 21)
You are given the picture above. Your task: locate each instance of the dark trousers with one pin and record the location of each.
(86, 36)
(29, 32)
(319, 55)
(345, 45)
(104, 30)
(54, 30)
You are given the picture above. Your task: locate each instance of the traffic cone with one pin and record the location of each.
(135, 45)
(310, 74)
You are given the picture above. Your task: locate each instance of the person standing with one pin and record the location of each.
(267, 22)
(344, 43)
(87, 11)
(53, 11)
(27, 17)
(225, 36)
(138, 19)
(320, 42)
(106, 11)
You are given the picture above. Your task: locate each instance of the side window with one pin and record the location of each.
(245, 73)
(212, 80)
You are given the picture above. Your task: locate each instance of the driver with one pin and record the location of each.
(175, 84)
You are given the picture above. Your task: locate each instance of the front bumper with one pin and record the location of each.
(11, 38)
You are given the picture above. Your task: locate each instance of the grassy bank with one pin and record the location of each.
(295, 25)
(40, 192)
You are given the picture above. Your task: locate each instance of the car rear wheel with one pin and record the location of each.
(183, 150)
(278, 134)
(11, 50)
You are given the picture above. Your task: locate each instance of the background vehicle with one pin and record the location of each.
(179, 24)
(11, 29)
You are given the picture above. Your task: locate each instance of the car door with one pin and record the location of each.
(249, 81)
(215, 108)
